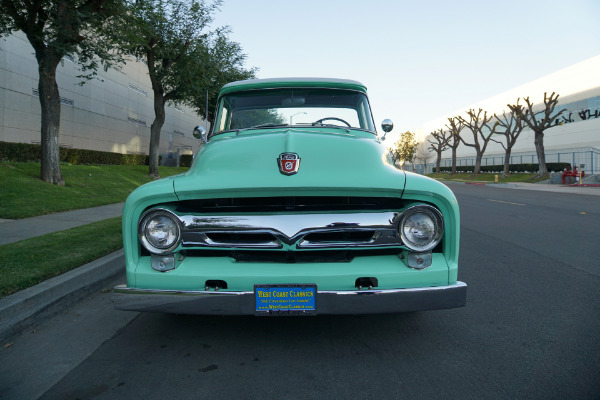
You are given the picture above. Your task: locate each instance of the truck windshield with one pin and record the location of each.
(298, 107)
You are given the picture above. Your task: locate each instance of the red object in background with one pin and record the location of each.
(567, 173)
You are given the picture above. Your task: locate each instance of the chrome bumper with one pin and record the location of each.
(327, 302)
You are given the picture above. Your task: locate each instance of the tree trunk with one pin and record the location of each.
(438, 162)
(539, 148)
(157, 124)
(454, 160)
(478, 158)
(50, 105)
(506, 170)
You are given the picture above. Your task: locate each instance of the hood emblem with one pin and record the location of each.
(288, 163)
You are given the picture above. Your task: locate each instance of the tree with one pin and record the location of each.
(455, 126)
(56, 29)
(479, 125)
(538, 125)
(405, 147)
(510, 126)
(442, 138)
(168, 36)
(225, 64)
(423, 155)
(182, 56)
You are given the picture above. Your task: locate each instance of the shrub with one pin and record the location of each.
(552, 167)
(24, 152)
(20, 152)
(186, 160)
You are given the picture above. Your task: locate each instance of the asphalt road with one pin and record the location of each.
(530, 330)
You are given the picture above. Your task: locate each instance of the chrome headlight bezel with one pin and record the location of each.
(438, 223)
(143, 234)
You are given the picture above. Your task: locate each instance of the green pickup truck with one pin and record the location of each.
(292, 206)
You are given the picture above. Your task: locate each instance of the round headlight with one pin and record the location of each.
(421, 228)
(159, 231)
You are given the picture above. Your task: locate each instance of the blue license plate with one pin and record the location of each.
(292, 299)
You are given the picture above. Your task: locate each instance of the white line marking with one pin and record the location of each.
(507, 202)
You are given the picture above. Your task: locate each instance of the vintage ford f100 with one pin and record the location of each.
(292, 206)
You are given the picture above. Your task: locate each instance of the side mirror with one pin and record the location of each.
(200, 133)
(387, 125)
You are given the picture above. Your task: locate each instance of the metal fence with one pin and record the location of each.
(589, 156)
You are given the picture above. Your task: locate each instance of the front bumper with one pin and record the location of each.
(327, 301)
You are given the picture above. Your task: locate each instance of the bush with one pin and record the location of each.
(186, 160)
(556, 167)
(24, 152)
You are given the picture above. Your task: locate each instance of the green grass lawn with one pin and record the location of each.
(527, 178)
(31, 261)
(23, 194)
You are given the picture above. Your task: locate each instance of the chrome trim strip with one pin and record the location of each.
(373, 301)
(124, 289)
(291, 228)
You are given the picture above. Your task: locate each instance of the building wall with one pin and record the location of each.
(578, 87)
(112, 112)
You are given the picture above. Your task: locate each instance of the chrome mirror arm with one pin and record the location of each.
(200, 133)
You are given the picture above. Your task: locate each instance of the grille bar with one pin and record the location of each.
(334, 204)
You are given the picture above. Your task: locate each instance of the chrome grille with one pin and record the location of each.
(237, 237)
(363, 236)
(291, 231)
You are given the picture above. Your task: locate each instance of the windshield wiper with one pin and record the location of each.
(268, 125)
(261, 126)
(346, 128)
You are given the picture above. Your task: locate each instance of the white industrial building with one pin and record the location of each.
(112, 112)
(576, 140)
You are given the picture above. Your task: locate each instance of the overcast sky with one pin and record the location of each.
(419, 59)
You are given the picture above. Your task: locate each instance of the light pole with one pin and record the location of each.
(293, 115)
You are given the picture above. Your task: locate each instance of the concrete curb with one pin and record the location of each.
(480, 183)
(28, 307)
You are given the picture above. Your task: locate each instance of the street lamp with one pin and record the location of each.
(293, 115)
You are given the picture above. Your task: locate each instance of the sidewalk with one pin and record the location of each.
(14, 230)
(30, 306)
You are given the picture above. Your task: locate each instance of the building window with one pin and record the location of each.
(136, 121)
(63, 100)
(138, 90)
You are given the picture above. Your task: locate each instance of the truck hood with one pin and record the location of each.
(332, 162)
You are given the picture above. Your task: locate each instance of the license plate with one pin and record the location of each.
(292, 299)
